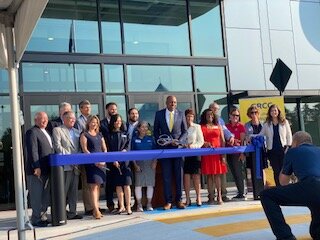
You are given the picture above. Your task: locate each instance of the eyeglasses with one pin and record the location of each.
(253, 112)
(235, 115)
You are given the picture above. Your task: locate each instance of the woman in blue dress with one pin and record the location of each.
(144, 170)
(92, 141)
(120, 172)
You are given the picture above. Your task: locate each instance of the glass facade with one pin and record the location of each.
(117, 51)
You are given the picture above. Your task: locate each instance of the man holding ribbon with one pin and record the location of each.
(171, 122)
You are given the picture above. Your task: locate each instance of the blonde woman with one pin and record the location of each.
(278, 135)
(91, 141)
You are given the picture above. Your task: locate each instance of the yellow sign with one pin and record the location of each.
(263, 104)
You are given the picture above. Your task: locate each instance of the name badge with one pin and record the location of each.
(138, 141)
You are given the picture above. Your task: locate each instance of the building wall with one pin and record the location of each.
(260, 31)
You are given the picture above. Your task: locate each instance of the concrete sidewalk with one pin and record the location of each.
(230, 221)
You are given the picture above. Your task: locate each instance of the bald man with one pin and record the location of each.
(302, 160)
(39, 147)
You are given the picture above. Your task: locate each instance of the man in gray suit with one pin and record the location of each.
(39, 147)
(66, 141)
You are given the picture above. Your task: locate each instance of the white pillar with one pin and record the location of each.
(15, 130)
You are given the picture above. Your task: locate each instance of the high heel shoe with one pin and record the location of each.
(188, 202)
(122, 210)
(199, 203)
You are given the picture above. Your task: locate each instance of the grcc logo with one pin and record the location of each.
(264, 105)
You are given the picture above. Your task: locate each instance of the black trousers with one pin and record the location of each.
(304, 193)
(276, 160)
(236, 168)
(109, 187)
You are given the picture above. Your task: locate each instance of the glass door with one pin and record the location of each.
(148, 104)
(50, 105)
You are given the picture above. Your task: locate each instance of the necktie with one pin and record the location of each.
(171, 120)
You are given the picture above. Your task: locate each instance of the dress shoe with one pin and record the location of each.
(180, 205)
(167, 206)
(75, 217)
(40, 224)
(88, 212)
(225, 199)
(110, 208)
(103, 210)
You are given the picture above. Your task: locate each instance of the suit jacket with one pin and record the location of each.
(63, 143)
(54, 123)
(284, 132)
(179, 130)
(38, 150)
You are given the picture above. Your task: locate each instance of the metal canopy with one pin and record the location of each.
(18, 18)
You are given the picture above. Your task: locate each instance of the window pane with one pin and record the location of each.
(311, 112)
(206, 28)
(110, 26)
(292, 116)
(75, 30)
(113, 75)
(156, 27)
(147, 111)
(41, 77)
(51, 110)
(121, 103)
(210, 79)
(6, 163)
(159, 78)
(88, 78)
(204, 100)
(4, 83)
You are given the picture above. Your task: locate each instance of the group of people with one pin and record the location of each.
(68, 134)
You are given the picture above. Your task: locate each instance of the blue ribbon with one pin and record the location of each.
(258, 143)
(84, 158)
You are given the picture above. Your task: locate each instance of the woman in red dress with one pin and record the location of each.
(212, 165)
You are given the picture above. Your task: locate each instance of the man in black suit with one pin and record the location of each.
(172, 122)
(111, 109)
(38, 146)
(63, 107)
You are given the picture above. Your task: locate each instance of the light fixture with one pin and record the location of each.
(50, 38)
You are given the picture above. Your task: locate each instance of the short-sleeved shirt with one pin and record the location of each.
(236, 130)
(303, 161)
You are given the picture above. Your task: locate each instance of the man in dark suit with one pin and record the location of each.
(172, 122)
(111, 109)
(38, 146)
